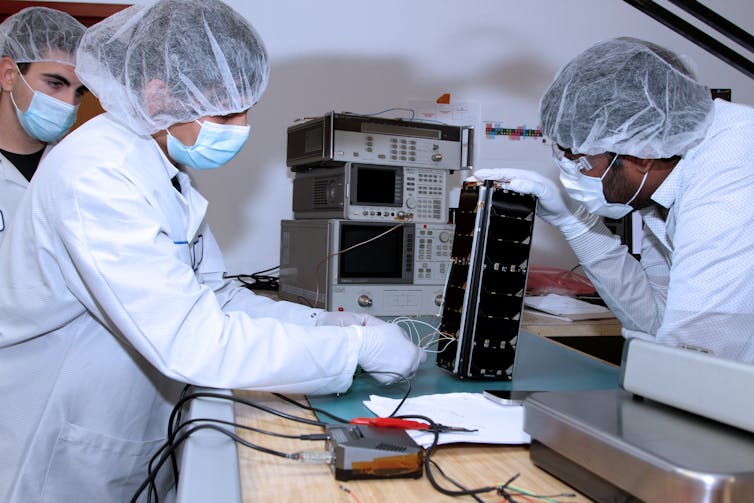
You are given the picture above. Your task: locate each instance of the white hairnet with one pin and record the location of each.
(626, 96)
(152, 66)
(40, 34)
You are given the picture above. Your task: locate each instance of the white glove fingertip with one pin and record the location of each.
(370, 320)
(422, 356)
(522, 186)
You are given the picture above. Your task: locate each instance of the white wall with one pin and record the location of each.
(363, 57)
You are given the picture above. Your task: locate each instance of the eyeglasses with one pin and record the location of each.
(579, 162)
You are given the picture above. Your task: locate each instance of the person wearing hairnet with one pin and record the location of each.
(112, 295)
(631, 128)
(39, 95)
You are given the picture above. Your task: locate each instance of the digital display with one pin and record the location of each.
(381, 258)
(376, 186)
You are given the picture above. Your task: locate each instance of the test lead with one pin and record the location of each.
(312, 457)
(350, 493)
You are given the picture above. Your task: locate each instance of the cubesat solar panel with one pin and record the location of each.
(484, 296)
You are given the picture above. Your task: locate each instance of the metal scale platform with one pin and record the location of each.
(613, 446)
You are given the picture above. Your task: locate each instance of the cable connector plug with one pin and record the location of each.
(313, 457)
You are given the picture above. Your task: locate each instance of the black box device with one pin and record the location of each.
(365, 452)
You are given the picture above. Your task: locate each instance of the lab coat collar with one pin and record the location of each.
(196, 203)
(659, 220)
(193, 202)
(170, 169)
(667, 192)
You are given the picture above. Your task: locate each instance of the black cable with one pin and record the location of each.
(501, 490)
(152, 474)
(231, 398)
(454, 482)
(173, 421)
(405, 395)
(258, 280)
(188, 397)
(323, 412)
(176, 438)
(152, 485)
(312, 437)
(167, 451)
(173, 460)
(185, 397)
(310, 408)
(435, 429)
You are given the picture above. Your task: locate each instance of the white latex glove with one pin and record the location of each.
(554, 206)
(346, 318)
(385, 348)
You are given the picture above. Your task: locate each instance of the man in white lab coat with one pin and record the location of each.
(112, 294)
(632, 128)
(39, 95)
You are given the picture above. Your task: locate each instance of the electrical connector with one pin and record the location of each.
(313, 457)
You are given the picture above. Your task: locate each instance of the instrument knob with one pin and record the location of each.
(444, 236)
(438, 300)
(437, 157)
(364, 301)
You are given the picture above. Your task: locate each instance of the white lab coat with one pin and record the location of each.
(107, 308)
(693, 286)
(12, 188)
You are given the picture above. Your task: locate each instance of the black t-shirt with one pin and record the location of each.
(25, 163)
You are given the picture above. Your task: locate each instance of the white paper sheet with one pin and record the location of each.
(495, 424)
(567, 307)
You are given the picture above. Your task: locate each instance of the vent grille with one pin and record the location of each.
(319, 194)
(391, 447)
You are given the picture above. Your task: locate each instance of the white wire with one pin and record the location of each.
(411, 327)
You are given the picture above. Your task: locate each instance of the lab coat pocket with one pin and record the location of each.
(182, 251)
(89, 466)
(191, 252)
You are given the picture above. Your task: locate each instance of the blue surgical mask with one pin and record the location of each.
(215, 145)
(47, 119)
(589, 191)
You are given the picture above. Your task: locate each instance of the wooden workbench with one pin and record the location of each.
(267, 478)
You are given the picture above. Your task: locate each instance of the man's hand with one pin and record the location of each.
(387, 353)
(554, 206)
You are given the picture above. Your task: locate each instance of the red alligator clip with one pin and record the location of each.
(405, 424)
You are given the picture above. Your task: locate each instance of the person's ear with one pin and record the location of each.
(641, 165)
(644, 165)
(156, 97)
(8, 73)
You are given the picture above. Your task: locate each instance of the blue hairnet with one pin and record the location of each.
(626, 96)
(41, 34)
(173, 61)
